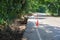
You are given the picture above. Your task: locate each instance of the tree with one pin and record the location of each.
(10, 9)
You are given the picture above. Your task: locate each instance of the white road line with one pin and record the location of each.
(38, 34)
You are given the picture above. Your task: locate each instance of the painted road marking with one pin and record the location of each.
(38, 34)
(37, 24)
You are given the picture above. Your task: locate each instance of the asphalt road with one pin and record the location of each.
(48, 29)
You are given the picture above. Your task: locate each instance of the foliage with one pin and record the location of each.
(52, 6)
(10, 9)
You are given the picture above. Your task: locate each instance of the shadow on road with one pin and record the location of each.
(44, 16)
(40, 18)
(48, 32)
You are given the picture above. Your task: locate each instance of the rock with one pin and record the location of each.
(22, 27)
(24, 38)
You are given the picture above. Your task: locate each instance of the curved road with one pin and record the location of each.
(48, 29)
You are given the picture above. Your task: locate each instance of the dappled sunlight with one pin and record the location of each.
(31, 19)
(52, 31)
(48, 31)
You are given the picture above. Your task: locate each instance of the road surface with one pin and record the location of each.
(48, 29)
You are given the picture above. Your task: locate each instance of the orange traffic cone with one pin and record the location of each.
(37, 23)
